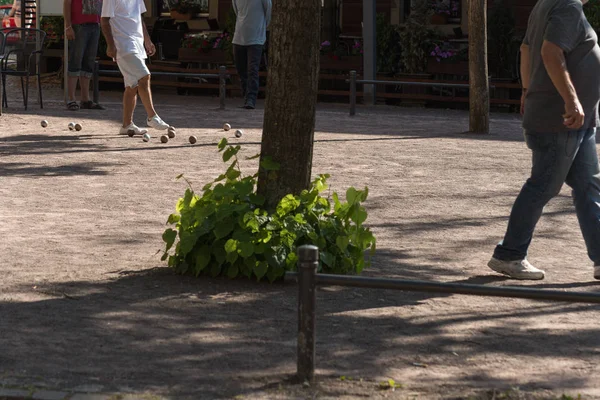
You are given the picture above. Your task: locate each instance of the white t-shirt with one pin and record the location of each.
(126, 25)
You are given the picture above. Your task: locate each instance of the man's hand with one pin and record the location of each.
(523, 96)
(111, 52)
(70, 33)
(573, 116)
(150, 49)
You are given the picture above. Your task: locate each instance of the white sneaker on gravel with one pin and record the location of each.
(597, 271)
(518, 269)
(157, 123)
(132, 127)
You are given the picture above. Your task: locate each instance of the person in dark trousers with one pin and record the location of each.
(252, 19)
(560, 72)
(82, 28)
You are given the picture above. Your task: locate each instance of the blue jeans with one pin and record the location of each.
(83, 50)
(569, 157)
(247, 63)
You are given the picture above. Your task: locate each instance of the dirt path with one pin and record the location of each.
(86, 305)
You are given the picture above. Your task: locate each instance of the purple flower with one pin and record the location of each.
(325, 43)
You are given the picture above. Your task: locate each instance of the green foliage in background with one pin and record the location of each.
(225, 231)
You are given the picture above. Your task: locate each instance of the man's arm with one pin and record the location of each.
(267, 5)
(67, 17)
(150, 49)
(525, 74)
(556, 65)
(111, 50)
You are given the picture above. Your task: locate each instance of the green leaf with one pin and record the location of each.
(202, 258)
(220, 178)
(206, 187)
(342, 242)
(230, 152)
(169, 237)
(215, 270)
(286, 205)
(187, 240)
(219, 253)
(223, 229)
(222, 144)
(256, 199)
(268, 164)
(231, 257)
(359, 215)
(164, 256)
(260, 269)
(351, 195)
(246, 249)
(231, 246)
(336, 202)
(173, 219)
(233, 174)
(253, 157)
(327, 258)
(233, 271)
(179, 176)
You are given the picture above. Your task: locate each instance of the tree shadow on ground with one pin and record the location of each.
(217, 338)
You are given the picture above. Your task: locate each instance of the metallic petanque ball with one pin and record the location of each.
(44, 123)
(71, 126)
(171, 133)
(226, 126)
(130, 133)
(78, 127)
(192, 139)
(146, 137)
(164, 139)
(238, 133)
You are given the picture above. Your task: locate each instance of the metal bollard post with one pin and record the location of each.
(222, 82)
(352, 93)
(96, 83)
(308, 260)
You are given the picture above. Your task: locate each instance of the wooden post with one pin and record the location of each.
(479, 92)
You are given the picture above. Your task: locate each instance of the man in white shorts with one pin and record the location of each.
(128, 43)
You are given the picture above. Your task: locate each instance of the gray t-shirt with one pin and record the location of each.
(563, 23)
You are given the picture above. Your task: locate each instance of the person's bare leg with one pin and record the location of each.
(129, 101)
(146, 95)
(72, 82)
(84, 84)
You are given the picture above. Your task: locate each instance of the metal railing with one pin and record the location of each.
(308, 279)
(354, 81)
(222, 76)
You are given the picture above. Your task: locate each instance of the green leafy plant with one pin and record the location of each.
(388, 46)
(503, 45)
(416, 38)
(225, 231)
(54, 28)
(592, 13)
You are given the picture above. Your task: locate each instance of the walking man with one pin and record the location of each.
(252, 19)
(560, 72)
(82, 28)
(128, 43)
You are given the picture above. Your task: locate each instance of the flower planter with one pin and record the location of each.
(439, 19)
(447, 67)
(342, 63)
(180, 16)
(212, 56)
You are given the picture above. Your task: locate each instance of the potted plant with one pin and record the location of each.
(342, 56)
(200, 47)
(183, 10)
(441, 12)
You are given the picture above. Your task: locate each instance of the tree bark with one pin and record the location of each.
(289, 122)
(479, 92)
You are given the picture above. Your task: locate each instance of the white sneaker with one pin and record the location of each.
(125, 130)
(157, 123)
(518, 269)
(597, 271)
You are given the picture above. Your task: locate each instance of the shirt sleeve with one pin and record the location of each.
(142, 6)
(267, 5)
(108, 9)
(235, 9)
(565, 26)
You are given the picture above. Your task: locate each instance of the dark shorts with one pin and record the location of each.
(83, 50)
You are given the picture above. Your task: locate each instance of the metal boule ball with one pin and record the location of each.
(171, 133)
(192, 139)
(239, 133)
(44, 123)
(78, 127)
(164, 139)
(146, 137)
(130, 132)
(226, 126)
(71, 126)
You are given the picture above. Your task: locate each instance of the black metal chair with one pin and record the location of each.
(23, 48)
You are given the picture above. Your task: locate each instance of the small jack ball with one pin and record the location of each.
(192, 139)
(238, 133)
(171, 133)
(164, 139)
(130, 133)
(71, 126)
(78, 127)
(44, 123)
(146, 137)
(226, 126)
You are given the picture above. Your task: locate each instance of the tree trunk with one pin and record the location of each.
(289, 123)
(479, 92)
